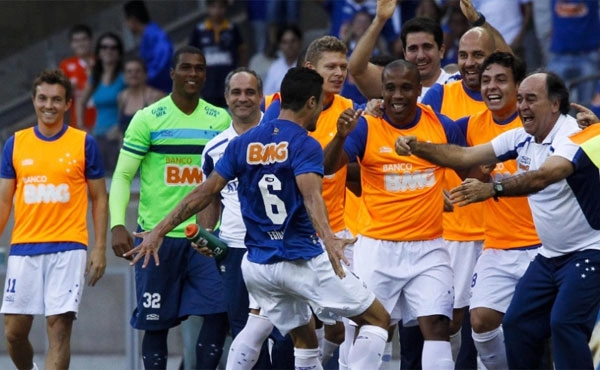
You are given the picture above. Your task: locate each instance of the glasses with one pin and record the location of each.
(109, 47)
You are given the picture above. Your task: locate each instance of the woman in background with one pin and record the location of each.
(105, 85)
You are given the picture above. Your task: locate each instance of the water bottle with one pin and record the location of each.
(204, 238)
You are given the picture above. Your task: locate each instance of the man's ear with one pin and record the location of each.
(311, 102)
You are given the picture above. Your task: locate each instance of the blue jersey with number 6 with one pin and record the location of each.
(266, 161)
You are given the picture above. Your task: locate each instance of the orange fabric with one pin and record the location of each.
(352, 207)
(402, 195)
(270, 98)
(465, 223)
(51, 185)
(77, 72)
(508, 222)
(334, 186)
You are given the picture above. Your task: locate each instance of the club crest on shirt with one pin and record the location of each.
(524, 163)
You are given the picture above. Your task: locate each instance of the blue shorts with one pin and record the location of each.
(185, 283)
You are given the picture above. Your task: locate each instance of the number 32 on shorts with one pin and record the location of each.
(151, 300)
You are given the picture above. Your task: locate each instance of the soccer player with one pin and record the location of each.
(402, 259)
(327, 56)
(422, 40)
(165, 141)
(510, 239)
(47, 172)
(559, 294)
(280, 168)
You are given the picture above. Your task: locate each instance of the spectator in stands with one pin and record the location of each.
(105, 85)
(155, 47)
(138, 93)
(257, 17)
(78, 68)
(289, 39)
(280, 13)
(574, 43)
(510, 17)
(222, 44)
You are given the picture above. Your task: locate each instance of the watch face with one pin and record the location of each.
(498, 187)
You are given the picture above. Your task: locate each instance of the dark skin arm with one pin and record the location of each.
(194, 202)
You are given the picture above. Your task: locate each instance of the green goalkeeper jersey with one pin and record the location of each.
(169, 144)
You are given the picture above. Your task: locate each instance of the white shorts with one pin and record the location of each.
(411, 279)
(45, 284)
(496, 275)
(463, 257)
(286, 291)
(349, 250)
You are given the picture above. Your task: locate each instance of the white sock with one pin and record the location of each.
(437, 355)
(368, 348)
(245, 348)
(386, 359)
(34, 367)
(327, 350)
(455, 343)
(349, 331)
(320, 335)
(307, 359)
(490, 347)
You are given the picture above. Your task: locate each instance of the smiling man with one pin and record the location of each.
(422, 40)
(399, 252)
(165, 141)
(558, 295)
(47, 173)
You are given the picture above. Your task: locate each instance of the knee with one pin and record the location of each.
(436, 327)
(15, 335)
(484, 320)
(335, 333)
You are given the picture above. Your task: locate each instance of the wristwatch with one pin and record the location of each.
(498, 190)
(480, 21)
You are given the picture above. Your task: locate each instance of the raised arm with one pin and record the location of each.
(335, 156)
(447, 155)
(475, 19)
(367, 76)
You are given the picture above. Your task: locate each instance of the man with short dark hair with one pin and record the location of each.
(47, 172)
(559, 294)
(286, 269)
(165, 141)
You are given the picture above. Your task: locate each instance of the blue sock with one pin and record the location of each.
(154, 349)
(211, 338)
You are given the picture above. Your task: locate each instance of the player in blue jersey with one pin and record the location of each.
(280, 169)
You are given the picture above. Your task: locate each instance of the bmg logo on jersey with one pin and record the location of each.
(37, 190)
(181, 170)
(176, 175)
(258, 153)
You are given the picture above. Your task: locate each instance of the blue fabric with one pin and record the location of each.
(105, 100)
(185, 283)
(559, 298)
(157, 52)
(278, 225)
(579, 26)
